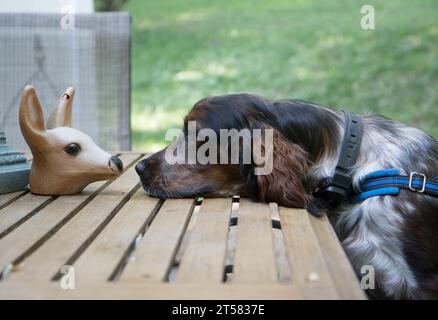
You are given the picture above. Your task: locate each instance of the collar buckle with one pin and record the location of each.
(412, 176)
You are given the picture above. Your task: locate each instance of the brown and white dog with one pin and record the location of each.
(397, 235)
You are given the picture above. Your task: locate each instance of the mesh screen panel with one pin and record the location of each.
(92, 54)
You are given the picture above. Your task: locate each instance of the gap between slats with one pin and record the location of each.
(71, 261)
(16, 221)
(115, 275)
(174, 267)
(309, 270)
(50, 232)
(7, 199)
(30, 209)
(204, 255)
(154, 255)
(280, 264)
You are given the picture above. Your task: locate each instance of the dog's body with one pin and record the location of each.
(396, 235)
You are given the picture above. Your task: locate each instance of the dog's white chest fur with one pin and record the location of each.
(373, 239)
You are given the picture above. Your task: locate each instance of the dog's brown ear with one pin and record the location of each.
(31, 118)
(285, 183)
(61, 115)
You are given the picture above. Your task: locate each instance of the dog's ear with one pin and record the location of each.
(61, 115)
(278, 172)
(286, 164)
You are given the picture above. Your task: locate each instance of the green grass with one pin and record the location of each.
(312, 50)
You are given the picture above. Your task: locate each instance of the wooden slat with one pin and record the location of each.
(308, 267)
(204, 258)
(145, 290)
(18, 241)
(44, 263)
(254, 260)
(342, 273)
(153, 257)
(5, 198)
(101, 258)
(283, 268)
(20, 209)
(96, 239)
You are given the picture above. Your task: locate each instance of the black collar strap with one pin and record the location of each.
(338, 188)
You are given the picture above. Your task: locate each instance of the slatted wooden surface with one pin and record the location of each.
(123, 244)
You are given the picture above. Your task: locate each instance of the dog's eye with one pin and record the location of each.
(73, 149)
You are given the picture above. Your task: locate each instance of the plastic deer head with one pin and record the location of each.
(65, 160)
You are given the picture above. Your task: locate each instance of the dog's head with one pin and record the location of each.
(65, 160)
(236, 144)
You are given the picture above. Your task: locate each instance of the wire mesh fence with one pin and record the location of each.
(52, 52)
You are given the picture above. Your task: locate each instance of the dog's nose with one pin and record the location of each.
(118, 163)
(139, 168)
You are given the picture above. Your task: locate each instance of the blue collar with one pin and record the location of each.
(390, 181)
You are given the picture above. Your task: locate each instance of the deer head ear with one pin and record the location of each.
(61, 115)
(31, 117)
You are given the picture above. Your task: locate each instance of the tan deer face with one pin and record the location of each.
(65, 160)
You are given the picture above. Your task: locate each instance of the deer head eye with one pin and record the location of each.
(73, 149)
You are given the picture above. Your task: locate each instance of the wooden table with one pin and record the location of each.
(123, 244)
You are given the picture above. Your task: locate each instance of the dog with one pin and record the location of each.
(396, 235)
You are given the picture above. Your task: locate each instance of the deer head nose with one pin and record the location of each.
(117, 162)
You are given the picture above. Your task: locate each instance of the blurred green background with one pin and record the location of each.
(312, 50)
